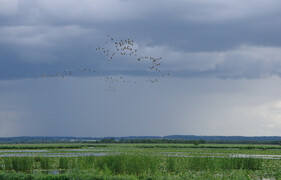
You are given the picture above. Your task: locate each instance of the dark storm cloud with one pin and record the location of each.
(209, 38)
(228, 46)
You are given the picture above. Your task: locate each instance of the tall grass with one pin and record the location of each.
(44, 162)
(24, 164)
(64, 163)
(130, 164)
(125, 164)
(199, 163)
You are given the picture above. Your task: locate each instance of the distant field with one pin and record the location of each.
(139, 161)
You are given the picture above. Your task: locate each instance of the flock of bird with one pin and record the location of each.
(110, 79)
(120, 48)
(67, 73)
(127, 48)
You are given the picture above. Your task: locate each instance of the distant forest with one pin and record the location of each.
(177, 139)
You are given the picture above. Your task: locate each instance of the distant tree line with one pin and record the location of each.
(146, 139)
(162, 141)
(182, 141)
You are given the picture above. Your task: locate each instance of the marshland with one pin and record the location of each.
(139, 161)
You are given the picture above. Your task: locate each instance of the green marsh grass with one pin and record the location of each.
(44, 162)
(24, 164)
(131, 164)
(129, 161)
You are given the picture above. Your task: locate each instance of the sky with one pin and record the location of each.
(223, 57)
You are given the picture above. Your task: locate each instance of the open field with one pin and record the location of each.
(139, 161)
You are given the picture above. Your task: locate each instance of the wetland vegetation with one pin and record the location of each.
(139, 161)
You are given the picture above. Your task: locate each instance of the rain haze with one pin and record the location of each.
(219, 74)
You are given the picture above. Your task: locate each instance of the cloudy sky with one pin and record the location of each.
(224, 58)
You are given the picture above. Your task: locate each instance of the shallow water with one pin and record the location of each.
(233, 156)
(53, 154)
(50, 172)
(78, 150)
(23, 151)
(256, 156)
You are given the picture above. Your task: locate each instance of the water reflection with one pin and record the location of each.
(53, 154)
(50, 172)
(23, 151)
(233, 156)
(256, 156)
(78, 150)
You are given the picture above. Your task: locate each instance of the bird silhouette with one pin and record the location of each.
(111, 49)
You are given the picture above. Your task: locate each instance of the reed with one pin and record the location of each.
(132, 164)
(24, 164)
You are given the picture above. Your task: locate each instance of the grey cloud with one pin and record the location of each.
(54, 35)
(242, 62)
(224, 57)
(69, 11)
